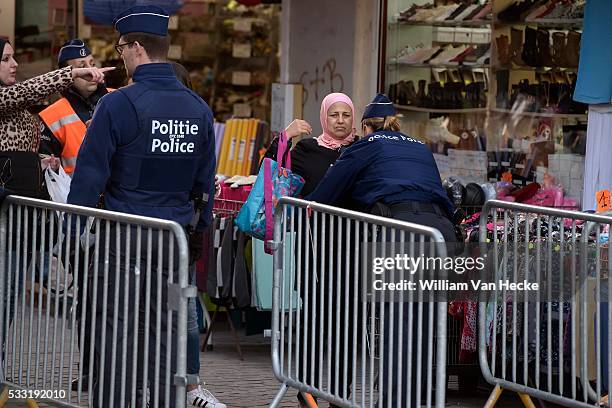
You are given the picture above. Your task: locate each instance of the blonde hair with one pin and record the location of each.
(389, 123)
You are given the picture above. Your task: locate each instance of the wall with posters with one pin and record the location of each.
(330, 47)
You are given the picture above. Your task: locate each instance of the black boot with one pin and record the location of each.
(530, 52)
(393, 93)
(503, 78)
(421, 97)
(411, 94)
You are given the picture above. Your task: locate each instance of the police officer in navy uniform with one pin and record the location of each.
(391, 174)
(131, 154)
(389, 169)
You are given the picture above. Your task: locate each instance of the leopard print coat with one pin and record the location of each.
(19, 129)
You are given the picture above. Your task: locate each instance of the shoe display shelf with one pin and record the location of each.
(552, 23)
(474, 24)
(434, 110)
(524, 100)
(447, 71)
(536, 53)
(576, 116)
(246, 62)
(534, 65)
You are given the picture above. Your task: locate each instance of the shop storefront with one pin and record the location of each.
(229, 47)
(489, 85)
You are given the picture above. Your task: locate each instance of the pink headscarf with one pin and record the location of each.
(326, 139)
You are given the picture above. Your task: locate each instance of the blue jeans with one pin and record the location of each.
(193, 332)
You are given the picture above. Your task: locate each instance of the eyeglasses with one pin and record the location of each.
(119, 47)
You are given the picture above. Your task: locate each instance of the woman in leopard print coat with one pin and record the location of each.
(20, 169)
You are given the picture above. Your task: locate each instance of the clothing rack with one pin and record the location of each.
(222, 208)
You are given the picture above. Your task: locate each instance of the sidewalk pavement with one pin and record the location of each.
(251, 383)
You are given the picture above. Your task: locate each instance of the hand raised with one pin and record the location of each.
(297, 128)
(91, 74)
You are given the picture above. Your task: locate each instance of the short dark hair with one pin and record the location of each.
(156, 46)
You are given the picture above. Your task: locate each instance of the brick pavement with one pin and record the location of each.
(251, 383)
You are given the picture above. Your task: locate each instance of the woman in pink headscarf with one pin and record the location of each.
(311, 157)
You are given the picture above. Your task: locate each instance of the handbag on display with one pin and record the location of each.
(275, 180)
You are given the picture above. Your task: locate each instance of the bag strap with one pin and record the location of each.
(268, 207)
(283, 147)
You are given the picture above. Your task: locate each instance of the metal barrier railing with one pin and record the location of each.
(553, 343)
(96, 296)
(335, 338)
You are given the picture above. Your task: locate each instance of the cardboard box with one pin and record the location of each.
(463, 35)
(443, 34)
(481, 36)
(197, 46)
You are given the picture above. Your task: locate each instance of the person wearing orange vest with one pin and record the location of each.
(64, 122)
(64, 127)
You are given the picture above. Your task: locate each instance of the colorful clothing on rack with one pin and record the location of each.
(468, 313)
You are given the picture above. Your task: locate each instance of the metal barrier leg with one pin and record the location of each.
(4, 396)
(279, 396)
(209, 343)
(234, 333)
(526, 399)
(497, 392)
(31, 403)
(209, 330)
(309, 400)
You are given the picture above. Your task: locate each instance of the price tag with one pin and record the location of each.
(243, 24)
(603, 200)
(241, 78)
(85, 31)
(241, 50)
(175, 52)
(173, 22)
(242, 110)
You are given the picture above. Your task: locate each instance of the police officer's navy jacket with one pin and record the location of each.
(149, 148)
(387, 167)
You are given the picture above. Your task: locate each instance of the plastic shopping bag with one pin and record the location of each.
(58, 184)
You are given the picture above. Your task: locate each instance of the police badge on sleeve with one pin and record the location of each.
(176, 137)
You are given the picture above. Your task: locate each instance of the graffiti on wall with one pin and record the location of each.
(322, 80)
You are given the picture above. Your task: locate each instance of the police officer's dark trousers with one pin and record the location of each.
(145, 278)
(431, 216)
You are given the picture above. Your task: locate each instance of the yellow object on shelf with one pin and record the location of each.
(229, 129)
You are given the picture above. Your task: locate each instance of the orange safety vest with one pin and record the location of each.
(68, 128)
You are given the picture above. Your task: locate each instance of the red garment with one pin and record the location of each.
(525, 193)
(468, 311)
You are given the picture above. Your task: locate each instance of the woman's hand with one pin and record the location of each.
(297, 128)
(50, 161)
(91, 74)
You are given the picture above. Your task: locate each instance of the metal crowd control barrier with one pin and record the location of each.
(92, 292)
(333, 339)
(554, 345)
